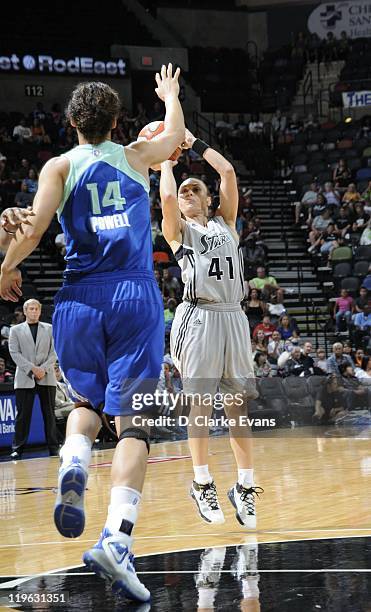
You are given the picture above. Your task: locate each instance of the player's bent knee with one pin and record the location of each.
(137, 433)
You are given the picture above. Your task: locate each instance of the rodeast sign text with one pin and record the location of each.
(48, 64)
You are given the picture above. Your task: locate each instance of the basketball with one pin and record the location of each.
(154, 129)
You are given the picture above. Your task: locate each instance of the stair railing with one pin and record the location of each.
(300, 278)
(307, 89)
(205, 128)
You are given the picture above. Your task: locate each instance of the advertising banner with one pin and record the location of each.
(8, 412)
(354, 18)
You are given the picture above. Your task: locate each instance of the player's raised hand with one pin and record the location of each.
(11, 219)
(167, 84)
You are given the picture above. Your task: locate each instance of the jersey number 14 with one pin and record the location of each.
(215, 269)
(112, 197)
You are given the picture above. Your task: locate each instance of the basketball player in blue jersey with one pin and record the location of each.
(108, 322)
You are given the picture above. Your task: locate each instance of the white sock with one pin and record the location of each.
(246, 477)
(202, 474)
(206, 597)
(76, 445)
(250, 589)
(124, 506)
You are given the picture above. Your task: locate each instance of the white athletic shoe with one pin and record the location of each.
(112, 560)
(69, 515)
(207, 502)
(245, 562)
(243, 500)
(210, 567)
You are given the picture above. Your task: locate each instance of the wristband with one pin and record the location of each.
(199, 146)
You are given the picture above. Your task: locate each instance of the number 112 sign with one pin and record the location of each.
(34, 91)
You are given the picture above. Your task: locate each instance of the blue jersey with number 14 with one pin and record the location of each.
(105, 213)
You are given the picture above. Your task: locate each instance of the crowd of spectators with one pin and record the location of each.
(312, 48)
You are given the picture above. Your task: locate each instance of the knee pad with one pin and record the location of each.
(137, 433)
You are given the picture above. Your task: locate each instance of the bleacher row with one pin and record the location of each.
(315, 154)
(356, 73)
(288, 400)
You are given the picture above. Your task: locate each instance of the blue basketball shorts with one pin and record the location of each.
(109, 338)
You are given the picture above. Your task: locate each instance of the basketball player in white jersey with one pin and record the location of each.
(210, 336)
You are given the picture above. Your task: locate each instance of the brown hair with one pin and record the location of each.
(93, 107)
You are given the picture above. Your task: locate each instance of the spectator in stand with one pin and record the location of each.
(351, 195)
(366, 195)
(343, 309)
(288, 328)
(261, 342)
(31, 181)
(24, 198)
(319, 226)
(277, 307)
(278, 123)
(253, 255)
(310, 123)
(343, 45)
(39, 112)
(256, 127)
(169, 314)
(337, 358)
(21, 132)
(358, 357)
(294, 125)
(313, 52)
(23, 170)
(240, 127)
(262, 367)
(266, 326)
(362, 300)
(223, 128)
(365, 239)
(329, 47)
(363, 372)
(299, 47)
(343, 222)
(328, 241)
(367, 280)
(331, 195)
(360, 220)
(170, 283)
(266, 284)
(362, 327)
(5, 376)
(317, 208)
(276, 347)
(342, 174)
(308, 360)
(295, 365)
(255, 308)
(39, 136)
(308, 200)
(320, 362)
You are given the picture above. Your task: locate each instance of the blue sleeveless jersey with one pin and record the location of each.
(105, 212)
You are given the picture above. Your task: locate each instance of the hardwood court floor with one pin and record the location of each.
(315, 487)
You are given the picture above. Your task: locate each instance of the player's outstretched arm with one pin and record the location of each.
(45, 205)
(155, 151)
(172, 223)
(228, 182)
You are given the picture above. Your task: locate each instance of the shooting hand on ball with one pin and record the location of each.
(188, 140)
(167, 84)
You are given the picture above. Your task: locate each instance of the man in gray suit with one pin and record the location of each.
(31, 348)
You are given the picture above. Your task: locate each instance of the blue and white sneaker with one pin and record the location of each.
(69, 515)
(112, 560)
